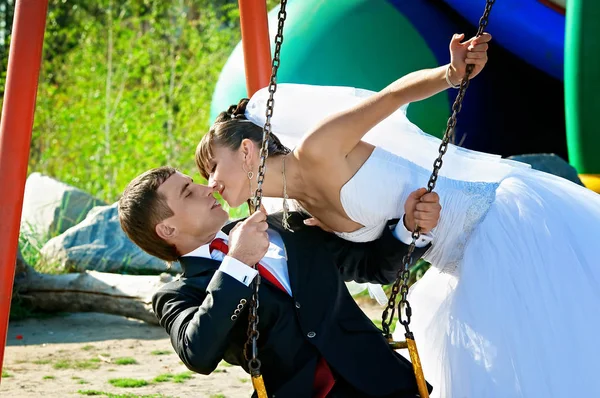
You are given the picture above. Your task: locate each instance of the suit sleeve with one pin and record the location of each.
(377, 261)
(198, 318)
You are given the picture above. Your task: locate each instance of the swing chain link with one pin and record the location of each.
(402, 279)
(251, 345)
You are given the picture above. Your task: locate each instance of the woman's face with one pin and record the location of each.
(229, 172)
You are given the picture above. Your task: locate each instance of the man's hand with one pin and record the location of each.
(422, 209)
(248, 240)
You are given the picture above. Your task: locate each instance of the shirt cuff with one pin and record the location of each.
(238, 270)
(405, 236)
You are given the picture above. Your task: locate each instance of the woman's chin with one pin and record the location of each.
(234, 202)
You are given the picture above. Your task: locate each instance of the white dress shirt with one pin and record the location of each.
(275, 260)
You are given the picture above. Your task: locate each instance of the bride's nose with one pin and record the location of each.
(211, 180)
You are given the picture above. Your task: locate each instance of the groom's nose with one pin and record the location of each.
(208, 190)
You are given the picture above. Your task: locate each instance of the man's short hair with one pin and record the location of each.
(142, 208)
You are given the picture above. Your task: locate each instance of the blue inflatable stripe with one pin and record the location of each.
(527, 28)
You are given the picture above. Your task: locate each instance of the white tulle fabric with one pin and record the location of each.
(511, 306)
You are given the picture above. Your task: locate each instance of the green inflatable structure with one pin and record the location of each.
(582, 82)
(360, 43)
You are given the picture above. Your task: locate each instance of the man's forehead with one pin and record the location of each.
(173, 185)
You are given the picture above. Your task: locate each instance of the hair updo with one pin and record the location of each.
(229, 130)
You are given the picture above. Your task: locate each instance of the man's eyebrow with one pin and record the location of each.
(184, 188)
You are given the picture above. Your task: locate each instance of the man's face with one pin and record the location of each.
(197, 214)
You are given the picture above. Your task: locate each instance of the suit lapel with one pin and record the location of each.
(195, 266)
(296, 244)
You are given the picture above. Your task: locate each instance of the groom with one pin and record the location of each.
(314, 340)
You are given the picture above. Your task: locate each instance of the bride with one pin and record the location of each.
(511, 305)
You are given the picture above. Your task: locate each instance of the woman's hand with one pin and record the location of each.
(315, 222)
(472, 51)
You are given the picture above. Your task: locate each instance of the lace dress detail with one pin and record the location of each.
(480, 197)
(379, 189)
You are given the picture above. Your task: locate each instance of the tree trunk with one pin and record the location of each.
(89, 291)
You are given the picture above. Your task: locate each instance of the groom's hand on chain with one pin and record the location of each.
(422, 209)
(248, 240)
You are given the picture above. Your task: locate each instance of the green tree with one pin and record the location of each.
(126, 86)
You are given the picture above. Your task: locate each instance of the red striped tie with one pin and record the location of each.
(220, 245)
(324, 380)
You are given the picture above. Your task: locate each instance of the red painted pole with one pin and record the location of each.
(24, 62)
(255, 43)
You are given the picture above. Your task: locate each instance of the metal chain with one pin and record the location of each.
(401, 283)
(251, 346)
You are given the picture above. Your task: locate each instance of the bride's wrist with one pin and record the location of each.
(452, 77)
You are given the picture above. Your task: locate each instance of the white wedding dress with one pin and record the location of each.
(511, 305)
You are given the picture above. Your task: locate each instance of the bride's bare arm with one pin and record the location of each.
(340, 133)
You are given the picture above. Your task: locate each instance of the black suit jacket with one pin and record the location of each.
(321, 319)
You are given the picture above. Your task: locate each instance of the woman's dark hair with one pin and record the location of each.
(228, 130)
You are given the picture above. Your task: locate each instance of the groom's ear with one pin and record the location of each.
(165, 231)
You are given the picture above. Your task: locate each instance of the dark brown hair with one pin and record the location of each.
(228, 130)
(142, 207)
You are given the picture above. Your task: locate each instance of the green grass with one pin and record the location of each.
(5, 373)
(225, 364)
(42, 362)
(92, 363)
(88, 347)
(244, 380)
(175, 378)
(49, 377)
(218, 396)
(125, 361)
(128, 383)
(161, 352)
(111, 395)
(31, 241)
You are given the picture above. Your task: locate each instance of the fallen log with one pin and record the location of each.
(90, 291)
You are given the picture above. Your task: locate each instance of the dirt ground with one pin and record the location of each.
(82, 354)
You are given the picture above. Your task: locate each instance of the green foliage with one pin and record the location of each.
(126, 86)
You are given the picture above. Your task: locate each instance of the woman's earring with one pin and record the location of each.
(252, 200)
(250, 174)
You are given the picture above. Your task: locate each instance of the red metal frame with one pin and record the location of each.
(255, 42)
(24, 61)
(19, 106)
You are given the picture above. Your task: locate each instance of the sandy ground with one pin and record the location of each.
(77, 355)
